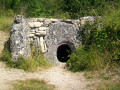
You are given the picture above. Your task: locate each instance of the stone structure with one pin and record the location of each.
(19, 38)
(55, 37)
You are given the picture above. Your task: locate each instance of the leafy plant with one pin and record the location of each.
(101, 45)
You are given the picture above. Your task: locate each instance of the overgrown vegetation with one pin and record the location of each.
(33, 63)
(101, 49)
(52, 9)
(58, 8)
(32, 84)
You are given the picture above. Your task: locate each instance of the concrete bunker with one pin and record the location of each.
(63, 52)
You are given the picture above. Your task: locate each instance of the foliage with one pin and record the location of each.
(88, 60)
(32, 84)
(59, 8)
(101, 45)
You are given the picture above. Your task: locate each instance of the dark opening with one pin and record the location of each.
(62, 52)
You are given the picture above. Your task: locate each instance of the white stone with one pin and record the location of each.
(67, 20)
(31, 24)
(54, 20)
(45, 48)
(32, 32)
(40, 19)
(44, 31)
(32, 35)
(47, 21)
(31, 39)
(42, 45)
(40, 33)
(42, 28)
(37, 24)
(34, 19)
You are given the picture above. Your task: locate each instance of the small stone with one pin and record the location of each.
(41, 19)
(37, 24)
(34, 19)
(32, 32)
(43, 28)
(67, 20)
(31, 24)
(54, 20)
(40, 33)
(47, 21)
(32, 35)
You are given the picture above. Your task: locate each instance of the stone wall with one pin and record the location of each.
(49, 34)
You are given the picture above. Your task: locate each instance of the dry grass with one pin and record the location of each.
(5, 23)
(32, 84)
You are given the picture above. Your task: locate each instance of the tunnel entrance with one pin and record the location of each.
(62, 52)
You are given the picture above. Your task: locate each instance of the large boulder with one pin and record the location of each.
(19, 38)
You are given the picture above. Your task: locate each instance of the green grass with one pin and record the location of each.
(32, 84)
(109, 86)
(6, 23)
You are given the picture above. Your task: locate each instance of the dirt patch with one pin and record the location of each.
(62, 79)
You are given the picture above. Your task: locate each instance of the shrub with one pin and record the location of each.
(101, 50)
(31, 64)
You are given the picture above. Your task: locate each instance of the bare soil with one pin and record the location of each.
(57, 76)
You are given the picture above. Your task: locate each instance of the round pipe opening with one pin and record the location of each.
(63, 52)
